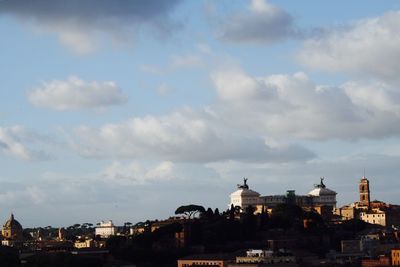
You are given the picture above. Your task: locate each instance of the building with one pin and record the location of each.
(347, 212)
(374, 217)
(244, 197)
(388, 216)
(12, 232)
(137, 230)
(373, 212)
(395, 256)
(379, 262)
(350, 246)
(106, 229)
(87, 243)
(322, 196)
(206, 260)
(257, 256)
(320, 199)
(365, 198)
(281, 243)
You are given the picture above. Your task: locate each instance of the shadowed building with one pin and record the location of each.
(206, 260)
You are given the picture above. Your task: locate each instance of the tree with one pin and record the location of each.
(127, 226)
(190, 210)
(249, 210)
(216, 212)
(287, 215)
(208, 214)
(231, 212)
(167, 230)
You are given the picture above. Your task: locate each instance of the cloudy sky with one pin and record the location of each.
(125, 110)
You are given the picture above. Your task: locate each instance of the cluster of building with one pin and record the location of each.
(379, 246)
(250, 258)
(374, 212)
(283, 258)
(12, 235)
(91, 244)
(320, 199)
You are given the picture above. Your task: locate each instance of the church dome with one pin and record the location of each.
(12, 223)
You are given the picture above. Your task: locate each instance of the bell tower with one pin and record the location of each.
(364, 192)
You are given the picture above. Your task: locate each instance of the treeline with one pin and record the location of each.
(210, 231)
(205, 231)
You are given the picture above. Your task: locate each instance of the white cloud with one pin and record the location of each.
(10, 142)
(28, 196)
(19, 143)
(164, 171)
(74, 94)
(236, 86)
(180, 136)
(136, 173)
(369, 48)
(262, 23)
(375, 97)
(293, 106)
(78, 41)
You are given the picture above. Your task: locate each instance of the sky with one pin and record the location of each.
(127, 109)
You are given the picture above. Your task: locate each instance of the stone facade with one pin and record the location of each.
(320, 199)
(106, 229)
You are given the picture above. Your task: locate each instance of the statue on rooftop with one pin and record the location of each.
(244, 185)
(321, 184)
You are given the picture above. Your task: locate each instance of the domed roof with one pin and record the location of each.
(12, 223)
(244, 192)
(321, 190)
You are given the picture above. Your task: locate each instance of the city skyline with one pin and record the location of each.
(127, 110)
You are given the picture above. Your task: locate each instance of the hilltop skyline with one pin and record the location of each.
(125, 110)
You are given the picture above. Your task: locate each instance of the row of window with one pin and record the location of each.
(201, 263)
